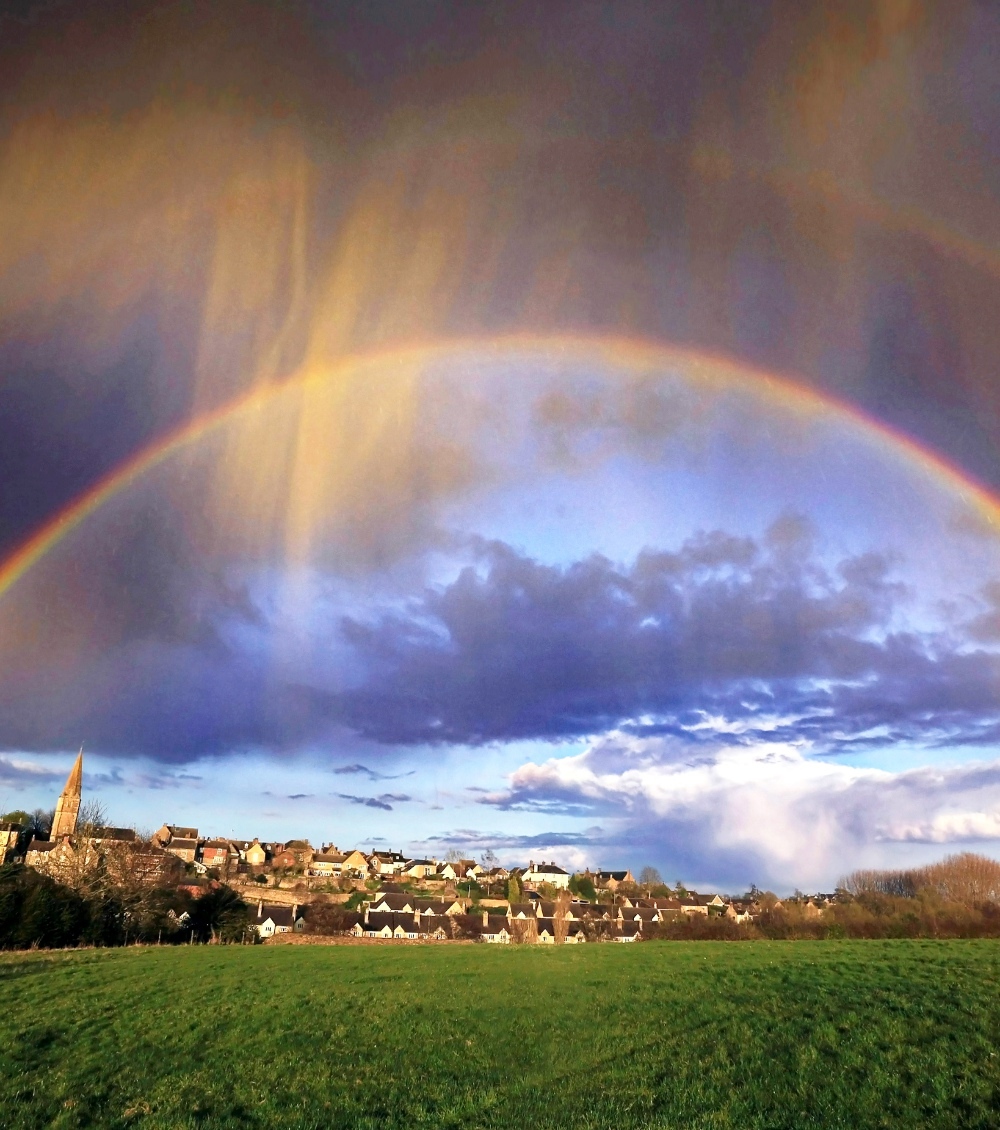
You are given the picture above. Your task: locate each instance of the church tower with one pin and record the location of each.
(68, 804)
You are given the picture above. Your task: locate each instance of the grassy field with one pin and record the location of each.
(850, 1034)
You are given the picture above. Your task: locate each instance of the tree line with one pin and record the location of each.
(36, 911)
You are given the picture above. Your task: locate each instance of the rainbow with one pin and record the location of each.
(620, 352)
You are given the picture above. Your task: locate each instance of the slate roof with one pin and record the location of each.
(279, 915)
(391, 902)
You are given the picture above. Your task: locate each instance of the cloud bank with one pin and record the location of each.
(767, 813)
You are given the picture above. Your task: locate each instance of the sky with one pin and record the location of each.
(570, 430)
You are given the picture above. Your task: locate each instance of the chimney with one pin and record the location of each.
(295, 912)
(486, 918)
(260, 908)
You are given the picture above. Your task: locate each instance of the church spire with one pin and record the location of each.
(68, 804)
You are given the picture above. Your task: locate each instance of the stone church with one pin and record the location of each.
(72, 855)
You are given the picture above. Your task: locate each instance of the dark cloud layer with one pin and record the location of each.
(753, 639)
(759, 634)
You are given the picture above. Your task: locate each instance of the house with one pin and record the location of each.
(217, 853)
(575, 934)
(546, 931)
(628, 932)
(668, 908)
(612, 880)
(393, 904)
(646, 915)
(293, 856)
(356, 926)
(738, 912)
(255, 854)
(327, 863)
(271, 920)
(392, 926)
(522, 910)
(356, 863)
(184, 847)
(493, 878)
(10, 834)
(169, 832)
(386, 862)
(57, 858)
(420, 868)
(546, 873)
(437, 908)
(495, 929)
(693, 906)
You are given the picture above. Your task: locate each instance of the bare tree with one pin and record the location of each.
(650, 877)
(93, 816)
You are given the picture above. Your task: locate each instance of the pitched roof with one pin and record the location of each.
(279, 915)
(546, 869)
(391, 902)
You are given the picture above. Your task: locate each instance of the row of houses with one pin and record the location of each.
(255, 856)
(401, 916)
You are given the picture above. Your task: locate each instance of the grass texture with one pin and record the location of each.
(768, 1034)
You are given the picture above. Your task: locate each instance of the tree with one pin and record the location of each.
(93, 816)
(650, 877)
(220, 916)
(583, 885)
(513, 889)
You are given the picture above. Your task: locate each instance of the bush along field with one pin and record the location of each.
(762, 1034)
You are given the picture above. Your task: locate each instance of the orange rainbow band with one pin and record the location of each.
(623, 352)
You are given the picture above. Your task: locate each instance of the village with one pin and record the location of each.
(293, 888)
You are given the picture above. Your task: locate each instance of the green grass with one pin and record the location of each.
(847, 1034)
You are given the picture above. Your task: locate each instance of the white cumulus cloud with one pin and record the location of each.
(767, 812)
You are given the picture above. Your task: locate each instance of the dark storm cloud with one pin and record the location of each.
(760, 640)
(515, 648)
(752, 640)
